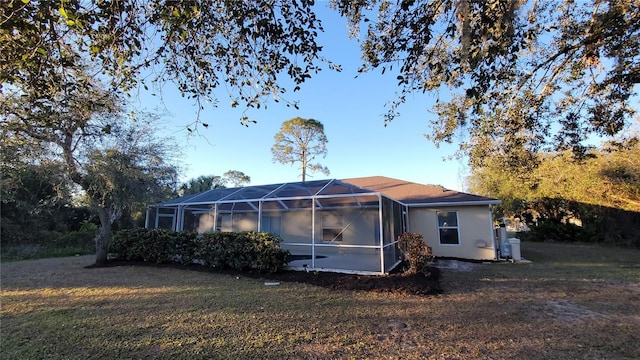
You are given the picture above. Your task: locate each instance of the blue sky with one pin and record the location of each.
(350, 109)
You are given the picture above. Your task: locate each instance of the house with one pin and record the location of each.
(348, 225)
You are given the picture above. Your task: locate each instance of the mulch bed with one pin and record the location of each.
(425, 283)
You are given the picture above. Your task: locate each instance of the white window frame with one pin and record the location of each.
(336, 225)
(440, 228)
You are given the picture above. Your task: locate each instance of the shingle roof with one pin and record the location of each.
(411, 193)
(406, 192)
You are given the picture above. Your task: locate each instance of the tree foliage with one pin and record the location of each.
(129, 168)
(611, 177)
(198, 46)
(35, 198)
(204, 183)
(523, 74)
(201, 184)
(601, 192)
(301, 140)
(236, 178)
(117, 163)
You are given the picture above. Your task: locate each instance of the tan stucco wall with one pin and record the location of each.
(474, 224)
(245, 222)
(296, 226)
(360, 226)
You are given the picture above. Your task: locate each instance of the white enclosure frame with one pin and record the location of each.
(314, 197)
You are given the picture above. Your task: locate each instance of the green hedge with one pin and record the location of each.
(47, 243)
(220, 250)
(557, 231)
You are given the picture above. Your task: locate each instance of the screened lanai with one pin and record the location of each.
(327, 225)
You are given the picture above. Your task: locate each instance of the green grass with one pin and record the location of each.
(571, 302)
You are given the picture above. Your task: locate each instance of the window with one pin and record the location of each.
(331, 227)
(448, 227)
(272, 224)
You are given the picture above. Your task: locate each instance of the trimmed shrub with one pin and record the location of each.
(186, 247)
(219, 250)
(415, 251)
(269, 256)
(149, 245)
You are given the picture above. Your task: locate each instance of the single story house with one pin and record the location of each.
(349, 225)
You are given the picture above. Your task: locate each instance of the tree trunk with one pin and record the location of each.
(102, 241)
(304, 166)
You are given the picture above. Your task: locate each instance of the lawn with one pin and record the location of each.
(571, 302)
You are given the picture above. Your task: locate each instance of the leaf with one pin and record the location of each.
(63, 13)
(71, 22)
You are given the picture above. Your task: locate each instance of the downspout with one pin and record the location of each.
(492, 231)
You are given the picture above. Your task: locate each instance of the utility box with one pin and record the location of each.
(505, 249)
(515, 249)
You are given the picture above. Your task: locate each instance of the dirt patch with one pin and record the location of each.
(569, 312)
(425, 283)
(418, 284)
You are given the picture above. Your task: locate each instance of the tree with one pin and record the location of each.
(301, 140)
(34, 198)
(117, 163)
(521, 74)
(516, 69)
(209, 182)
(199, 46)
(201, 184)
(236, 178)
(126, 171)
(601, 191)
(609, 177)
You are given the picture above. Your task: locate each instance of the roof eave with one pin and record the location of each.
(455, 203)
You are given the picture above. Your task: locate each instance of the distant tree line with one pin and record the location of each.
(202, 183)
(595, 199)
